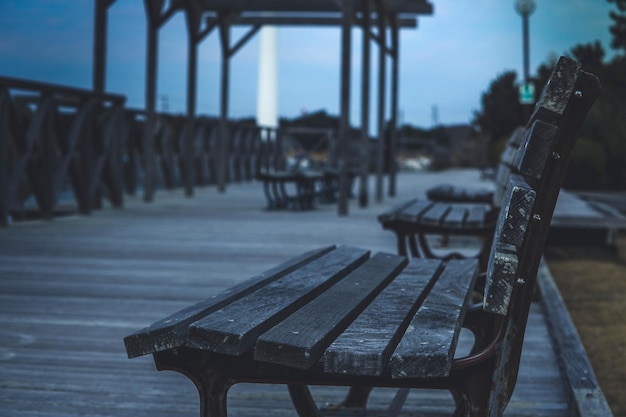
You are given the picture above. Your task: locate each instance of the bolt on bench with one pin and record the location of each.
(340, 316)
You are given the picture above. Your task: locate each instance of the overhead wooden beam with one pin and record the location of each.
(285, 20)
(394, 6)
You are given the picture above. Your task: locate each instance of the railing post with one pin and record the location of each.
(5, 103)
(393, 124)
(365, 107)
(344, 124)
(382, 74)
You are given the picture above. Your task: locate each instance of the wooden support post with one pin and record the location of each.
(193, 26)
(153, 12)
(344, 123)
(365, 107)
(99, 45)
(224, 28)
(393, 123)
(5, 103)
(380, 151)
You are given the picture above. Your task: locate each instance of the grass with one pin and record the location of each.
(593, 284)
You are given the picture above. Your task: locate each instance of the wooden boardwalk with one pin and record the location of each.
(72, 288)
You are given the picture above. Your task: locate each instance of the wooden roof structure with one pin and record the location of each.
(375, 17)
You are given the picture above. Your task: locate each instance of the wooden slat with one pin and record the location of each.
(428, 346)
(477, 215)
(535, 152)
(514, 216)
(557, 92)
(234, 329)
(434, 215)
(413, 212)
(299, 341)
(172, 331)
(366, 345)
(393, 213)
(501, 273)
(510, 233)
(456, 216)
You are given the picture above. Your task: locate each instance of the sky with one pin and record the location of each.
(446, 63)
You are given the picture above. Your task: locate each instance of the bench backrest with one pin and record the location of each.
(528, 205)
(506, 165)
(532, 191)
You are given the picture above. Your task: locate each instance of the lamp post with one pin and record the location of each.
(525, 8)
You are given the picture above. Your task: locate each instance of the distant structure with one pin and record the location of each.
(267, 88)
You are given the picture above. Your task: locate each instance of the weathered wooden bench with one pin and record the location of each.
(300, 188)
(340, 317)
(302, 197)
(453, 193)
(455, 212)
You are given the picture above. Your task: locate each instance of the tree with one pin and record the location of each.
(590, 55)
(501, 111)
(618, 29)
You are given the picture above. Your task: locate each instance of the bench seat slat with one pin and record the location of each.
(299, 341)
(393, 212)
(428, 346)
(435, 214)
(456, 216)
(233, 329)
(365, 347)
(477, 216)
(414, 211)
(171, 331)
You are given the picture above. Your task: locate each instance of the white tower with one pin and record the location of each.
(267, 88)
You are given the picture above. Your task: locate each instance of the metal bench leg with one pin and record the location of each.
(303, 401)
(271, 205)
(213, 396)
(212, 385)
(355, 402)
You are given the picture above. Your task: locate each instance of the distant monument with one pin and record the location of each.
(267, 88)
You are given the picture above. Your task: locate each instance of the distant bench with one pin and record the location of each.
(453, 210)
(340, 316)
(301, 188)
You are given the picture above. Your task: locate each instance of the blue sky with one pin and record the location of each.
(447, 62)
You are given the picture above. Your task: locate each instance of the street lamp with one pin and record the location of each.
(525, 8)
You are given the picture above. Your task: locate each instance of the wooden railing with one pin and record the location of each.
(53, 135)
(67, 144)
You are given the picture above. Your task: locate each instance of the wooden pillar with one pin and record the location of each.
(153, 12)
(344, 123)
(223, 154)
(365, 107)
(193, 26)
(382, 75)
(5, 103)
(393, 124)
(99, 44)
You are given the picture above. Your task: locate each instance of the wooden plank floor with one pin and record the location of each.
(72, 288)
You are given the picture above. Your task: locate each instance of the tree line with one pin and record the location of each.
(599, 159)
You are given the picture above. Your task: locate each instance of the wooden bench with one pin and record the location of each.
(454, 211)
(456, 194)
(339, 316)
(300, 188)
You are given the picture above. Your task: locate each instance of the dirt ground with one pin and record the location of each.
(592, 282)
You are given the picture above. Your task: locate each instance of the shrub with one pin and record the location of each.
(587, 168)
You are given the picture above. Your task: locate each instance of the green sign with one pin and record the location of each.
(527, 93)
